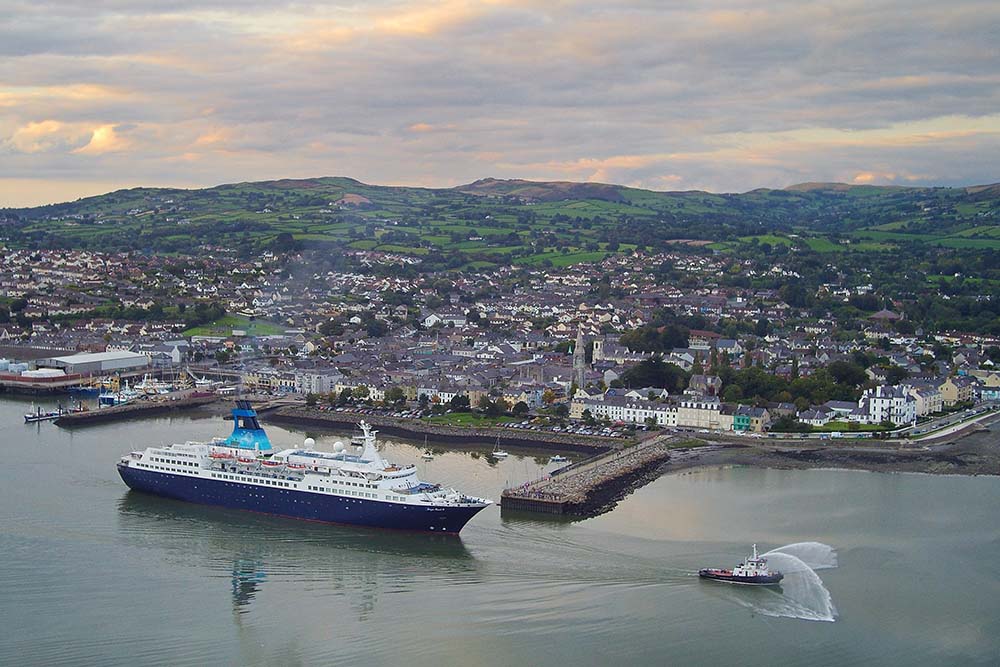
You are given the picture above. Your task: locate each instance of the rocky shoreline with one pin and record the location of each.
(974, 454)
(606, 497)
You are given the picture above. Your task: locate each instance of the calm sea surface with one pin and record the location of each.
(95, 574)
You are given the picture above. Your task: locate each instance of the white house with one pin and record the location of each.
(887, 404)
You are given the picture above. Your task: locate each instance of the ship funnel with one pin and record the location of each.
(247, 431)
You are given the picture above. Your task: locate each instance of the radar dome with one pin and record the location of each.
(309, 443)
(338, 446)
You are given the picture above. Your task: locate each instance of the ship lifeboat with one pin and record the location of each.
(272, 464)
(221, 455)
(296, 466)
(245, 461)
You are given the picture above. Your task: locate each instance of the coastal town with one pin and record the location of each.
(499, 333)
(606, 348)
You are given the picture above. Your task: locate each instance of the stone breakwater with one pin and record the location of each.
(592, 486)
(461, 435)
(133, 410)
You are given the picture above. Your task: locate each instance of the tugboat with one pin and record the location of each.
(752, 572)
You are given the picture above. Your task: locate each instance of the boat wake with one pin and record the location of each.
(802, 594)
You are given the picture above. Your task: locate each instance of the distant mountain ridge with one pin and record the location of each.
(542, 190)
(539, 191)
(491, 217)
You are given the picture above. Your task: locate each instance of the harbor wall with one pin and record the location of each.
(415, 430)
(590, 487)
(136, 410)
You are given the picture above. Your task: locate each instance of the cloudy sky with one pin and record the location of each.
(725, 96)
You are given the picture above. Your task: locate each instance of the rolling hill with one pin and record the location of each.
(494, 221)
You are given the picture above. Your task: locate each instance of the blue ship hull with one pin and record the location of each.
(299, 504)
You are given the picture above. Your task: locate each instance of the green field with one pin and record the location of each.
(845, 427)
(224, 327)
(823, 245)
(469, 419)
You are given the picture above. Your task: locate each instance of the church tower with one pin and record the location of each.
(579, 360)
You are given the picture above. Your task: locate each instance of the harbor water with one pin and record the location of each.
(897, 569)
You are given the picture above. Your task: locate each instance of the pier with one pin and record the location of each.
(133, 410)
(577, 488)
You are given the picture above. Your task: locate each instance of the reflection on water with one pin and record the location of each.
(247, 574)
(554, 521)
(250, 547)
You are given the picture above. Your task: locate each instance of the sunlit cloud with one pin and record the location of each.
(37, 137)
(711, 95)
(869, 177)
(47, 136)
(104, 139)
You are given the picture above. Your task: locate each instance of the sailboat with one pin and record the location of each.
(427, 455)
(497, 452)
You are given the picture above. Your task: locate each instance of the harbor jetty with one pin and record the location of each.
(136, 410)
(581, 488)
(304, 416)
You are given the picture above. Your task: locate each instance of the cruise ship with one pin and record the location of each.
(244, 472)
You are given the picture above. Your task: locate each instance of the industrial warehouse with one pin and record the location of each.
(96, 362)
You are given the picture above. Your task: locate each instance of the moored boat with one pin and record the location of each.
(752, 572)
(498, 453)
(39, 416)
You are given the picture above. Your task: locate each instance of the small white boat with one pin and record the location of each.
(498, 453)
(427, 456)
(558, 458)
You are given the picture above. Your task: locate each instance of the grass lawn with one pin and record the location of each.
(823, 245)
(845, 427)
(469, 419)
(224, 327)
(770, 239)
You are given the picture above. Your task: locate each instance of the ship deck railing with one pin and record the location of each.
(255, 472)
(420, 488)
